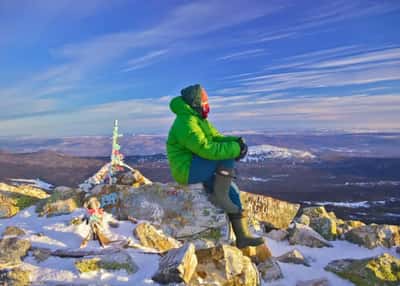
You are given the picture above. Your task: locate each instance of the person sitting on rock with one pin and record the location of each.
(198, 153)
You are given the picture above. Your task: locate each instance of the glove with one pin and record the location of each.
(243, 149)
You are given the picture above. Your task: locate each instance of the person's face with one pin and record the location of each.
(205, 107)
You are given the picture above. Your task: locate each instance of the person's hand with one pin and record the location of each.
(243, 149)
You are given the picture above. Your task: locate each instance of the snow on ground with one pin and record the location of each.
(56, 232)
(38, 183)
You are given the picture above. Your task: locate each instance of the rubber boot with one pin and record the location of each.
(242, 233)
(220, 195)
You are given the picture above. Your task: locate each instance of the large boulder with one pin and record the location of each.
(383, 270)
(180, 211)
(117, 261)
(374, 235)
(8, 206)
(13, 199)
(325, 226)
(15, 277)
(62, 201)
(13, 231)
(12, 250)
(274, 213)
(25, 190)
(150, 237)
(323, 222)
(315, 212)
(342, 226)
(177, 266)
(304, 235)
(224, 265)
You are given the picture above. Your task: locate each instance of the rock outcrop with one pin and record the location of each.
(62, 201)
(383, 270)
(177, 266)
(274, 213)
(117, 261)
(224, 265)
(12, 250)
(13, 231)
(374, 235)
(15, 277)
(13, 199)
(150, 237)
(180, 211)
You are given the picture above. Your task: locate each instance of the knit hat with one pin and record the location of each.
(196, 97)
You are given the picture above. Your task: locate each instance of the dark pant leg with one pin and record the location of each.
(203, 170)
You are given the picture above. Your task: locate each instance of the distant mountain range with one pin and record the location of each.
(317, 144)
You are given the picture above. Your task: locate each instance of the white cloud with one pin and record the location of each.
(383, 55)
(146, 60)
(243, 54)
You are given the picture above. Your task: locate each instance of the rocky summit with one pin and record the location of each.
(168, 234)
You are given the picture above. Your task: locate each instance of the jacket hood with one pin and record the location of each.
(180, 107)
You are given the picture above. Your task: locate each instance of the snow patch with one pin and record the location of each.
(263, 152)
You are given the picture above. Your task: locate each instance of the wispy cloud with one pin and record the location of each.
(313, 70)
(146, 60)
(383, 55)
(242, 54)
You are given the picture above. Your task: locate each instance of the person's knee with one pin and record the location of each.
(230, 164)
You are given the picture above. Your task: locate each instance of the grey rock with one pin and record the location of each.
(224, 265)
(294, 256)
(304, 235)
(374, 235)
(278, 234)
(177, 266)
(274, 213)
(12, 250)
(314, 282)
(13, 231)
(270, 270)
(150, 237)
(382, 270)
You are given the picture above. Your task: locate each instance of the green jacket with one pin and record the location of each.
(191, 134)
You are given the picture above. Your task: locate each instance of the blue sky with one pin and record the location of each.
(70, 68)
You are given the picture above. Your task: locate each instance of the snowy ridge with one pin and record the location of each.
(265, 151)
(37, 183)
